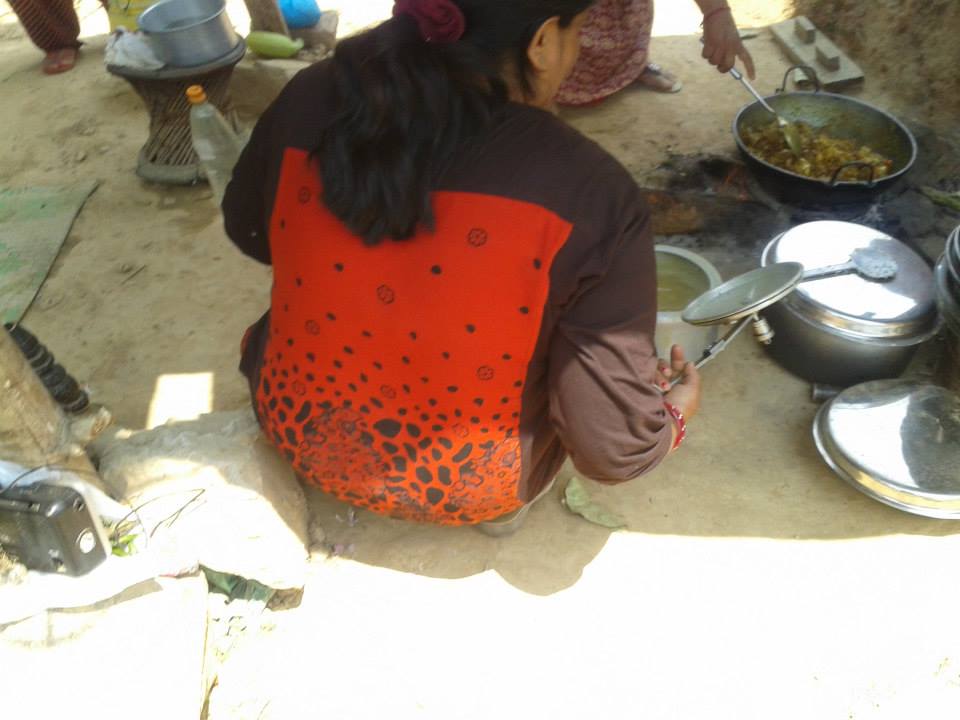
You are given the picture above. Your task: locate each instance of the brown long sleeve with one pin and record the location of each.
(603, 404)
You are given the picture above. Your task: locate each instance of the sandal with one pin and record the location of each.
(656, 78)
(60, 61)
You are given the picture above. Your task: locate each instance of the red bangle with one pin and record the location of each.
(715, 11)
(680, 423)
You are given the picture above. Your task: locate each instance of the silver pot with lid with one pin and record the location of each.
(844, 329)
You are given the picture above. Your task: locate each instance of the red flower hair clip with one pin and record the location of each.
(440, 21)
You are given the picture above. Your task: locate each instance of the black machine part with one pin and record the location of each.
(59, 383)
(50, 528)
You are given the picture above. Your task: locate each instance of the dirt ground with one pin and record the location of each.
(751, 582)
(123, 304)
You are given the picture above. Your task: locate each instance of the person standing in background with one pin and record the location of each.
(54, 27)
(615, 50)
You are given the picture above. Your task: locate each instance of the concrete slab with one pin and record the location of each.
(806, 45)
(236, 505)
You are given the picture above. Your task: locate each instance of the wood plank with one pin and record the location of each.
(33, 429)
(265, 15)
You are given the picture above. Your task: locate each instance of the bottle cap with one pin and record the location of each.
(196, 95)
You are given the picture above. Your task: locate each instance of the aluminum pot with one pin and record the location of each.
(188, 33)
(845, 330)
(692, 275)
(845, 118)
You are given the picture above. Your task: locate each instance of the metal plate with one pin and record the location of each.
(744, 295)
(898, 441)
(902, 307)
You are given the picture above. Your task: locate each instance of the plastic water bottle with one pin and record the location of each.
(214, 141)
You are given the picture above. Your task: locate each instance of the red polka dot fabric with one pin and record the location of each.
(393, 375)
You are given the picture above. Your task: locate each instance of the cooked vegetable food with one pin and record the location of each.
(821, 155)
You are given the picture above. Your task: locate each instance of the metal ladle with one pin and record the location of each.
(790, 132)
(870, 264)
(761, 331)
(739, 302)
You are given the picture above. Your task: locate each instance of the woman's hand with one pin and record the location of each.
(686, 393)
(722, 44)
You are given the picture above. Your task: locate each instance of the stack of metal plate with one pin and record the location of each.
(948, 300)
(948, 282)
(897, 440)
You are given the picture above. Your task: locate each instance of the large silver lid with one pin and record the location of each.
(902, 307)
(897, 441)
(744, 295)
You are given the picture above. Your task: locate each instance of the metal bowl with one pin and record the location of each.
(187, 33)
(671, 329)
(898, 442)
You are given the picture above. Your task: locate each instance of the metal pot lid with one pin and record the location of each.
(897, 441)
(902, 307)
(744, 295)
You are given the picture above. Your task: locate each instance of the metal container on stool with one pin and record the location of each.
(847, 329)
(187, 33)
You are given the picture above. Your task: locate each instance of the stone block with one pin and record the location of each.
(215, 488)
(828, 55)
(257, 82)
(804, 30)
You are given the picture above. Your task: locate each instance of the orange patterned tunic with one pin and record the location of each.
(442, 378)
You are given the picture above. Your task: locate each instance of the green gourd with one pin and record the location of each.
(273, 45)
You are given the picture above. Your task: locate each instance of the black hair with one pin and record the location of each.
(404, 106)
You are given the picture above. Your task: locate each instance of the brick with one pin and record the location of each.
(805, 30)
(828, 54)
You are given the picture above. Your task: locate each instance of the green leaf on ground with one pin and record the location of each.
(949, 200)
(579, 502)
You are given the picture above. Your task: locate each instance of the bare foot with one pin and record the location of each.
(656, 78)
(59, 61)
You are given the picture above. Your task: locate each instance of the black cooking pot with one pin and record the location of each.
(845, 118)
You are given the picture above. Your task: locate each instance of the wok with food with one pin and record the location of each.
(821, 155)
(837, 128)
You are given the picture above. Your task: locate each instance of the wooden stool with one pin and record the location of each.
(168, 157)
